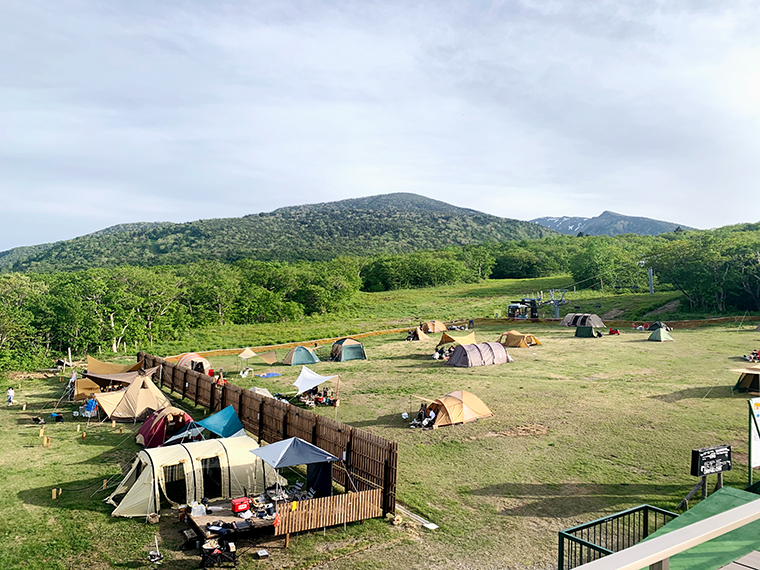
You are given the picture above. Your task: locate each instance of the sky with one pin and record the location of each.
(116, 112)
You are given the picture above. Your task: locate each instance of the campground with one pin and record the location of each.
(581, 428)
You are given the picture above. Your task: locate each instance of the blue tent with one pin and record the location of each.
(225, 423)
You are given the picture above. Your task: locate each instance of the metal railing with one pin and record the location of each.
(593, 540)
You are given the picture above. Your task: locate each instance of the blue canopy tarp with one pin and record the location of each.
(293, 451)
(225, 423)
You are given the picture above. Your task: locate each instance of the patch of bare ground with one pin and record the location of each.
(666, 308)
(613, 314)
(519, 431)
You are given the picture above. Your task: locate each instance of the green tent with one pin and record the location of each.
(300, 355)
(585, 332)
(660, 335)
(347, 349)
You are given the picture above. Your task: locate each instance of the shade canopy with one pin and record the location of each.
(247, 353)
(290, 452)
(97, 367)
(309, 379)
(446, 338)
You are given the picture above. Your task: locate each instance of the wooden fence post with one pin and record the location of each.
(184, 383)
(261, 419)
(285, 425)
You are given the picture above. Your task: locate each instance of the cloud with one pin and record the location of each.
(178, 111)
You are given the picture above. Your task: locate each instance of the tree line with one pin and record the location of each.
(111, 309)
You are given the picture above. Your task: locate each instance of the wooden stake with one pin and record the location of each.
(84, 434)
(287, 540)
(42, 432)
(55, 492)
(113, 423)
(60, 492)
(121, 430)
(23, 407)
(78, 428)
(105, 482)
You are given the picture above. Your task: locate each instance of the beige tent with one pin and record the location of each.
(417, 334)
(136, 403)
(194, 361)
(186, 472)
(446, 338)
(268, 357)
(98, 367)
(485, 354)
(91, 383)
(515, 339)
(749, 381)
(457, 407)
(433, 327)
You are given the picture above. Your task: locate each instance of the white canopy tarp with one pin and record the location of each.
(246, 354)
(308, 379)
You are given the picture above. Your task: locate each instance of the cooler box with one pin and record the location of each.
(241, 504)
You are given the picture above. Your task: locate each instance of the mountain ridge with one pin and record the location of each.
(608, 223)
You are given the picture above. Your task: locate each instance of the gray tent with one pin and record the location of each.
(295, 451)
(484, 354)
(581, 320)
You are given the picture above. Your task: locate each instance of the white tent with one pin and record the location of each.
(186, 472)
(308, 379)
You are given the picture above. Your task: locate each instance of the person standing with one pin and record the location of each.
(11, 394)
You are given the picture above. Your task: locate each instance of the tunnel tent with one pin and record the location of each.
(97, 367)
(136, 403)
(459, 407)
(224, 423)
(300, 355)
(194, 361)
(484, 354)
(295, 451)
(581, 320)
(514, 339)
(417, 334)
(181, 474)
(660, 335)
(433, 327)
(446, 338)
(347, 349)
(162, 425)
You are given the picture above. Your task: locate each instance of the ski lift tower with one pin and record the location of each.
(557, 302)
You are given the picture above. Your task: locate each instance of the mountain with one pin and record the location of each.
(608, 224)
(390, 223)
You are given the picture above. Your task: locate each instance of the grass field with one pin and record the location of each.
(582, 427)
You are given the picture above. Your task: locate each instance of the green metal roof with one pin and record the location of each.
(724, 549)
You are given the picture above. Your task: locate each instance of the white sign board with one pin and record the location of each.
(754, 425)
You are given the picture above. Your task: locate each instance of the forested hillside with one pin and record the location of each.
(389, 224)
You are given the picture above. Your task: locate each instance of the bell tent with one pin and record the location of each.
(300, 355)
(485, 354)
(136, 403)
(161, 425)
(446, 338)
(660, 335)
(214, 469)
(347, 349)
(433, 327)
(514, 339)
(581, 320)
(417, 334)
(224, 423)
(457, 407)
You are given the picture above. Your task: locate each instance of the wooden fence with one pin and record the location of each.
(328, 511)
(370, 462)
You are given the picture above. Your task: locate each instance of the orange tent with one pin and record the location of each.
(518, 340)
(433, 326)
(457, 407)
(446, 338)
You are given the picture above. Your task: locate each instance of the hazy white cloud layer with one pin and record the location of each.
(118, 112)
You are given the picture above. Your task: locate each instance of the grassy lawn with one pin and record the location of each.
(582, 427)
